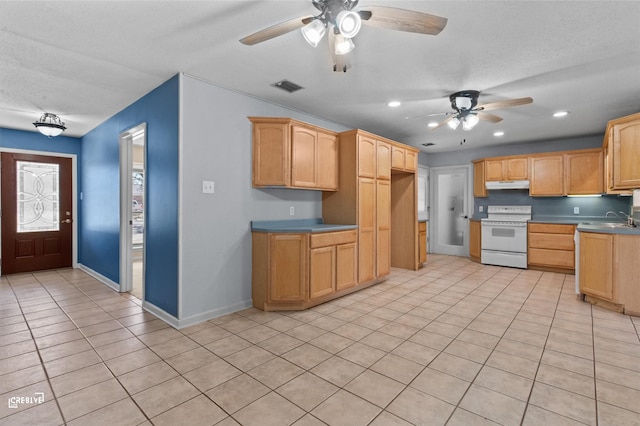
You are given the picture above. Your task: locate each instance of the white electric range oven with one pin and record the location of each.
(504, 236)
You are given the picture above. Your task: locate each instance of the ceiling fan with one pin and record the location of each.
(342, 22)
(467, 112)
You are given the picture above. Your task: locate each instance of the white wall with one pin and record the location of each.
(215, 237)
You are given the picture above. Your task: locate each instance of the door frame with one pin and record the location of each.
(468, 205)
(125, 143)
(74, 194)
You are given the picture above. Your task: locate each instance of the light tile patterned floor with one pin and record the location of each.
(454, 343)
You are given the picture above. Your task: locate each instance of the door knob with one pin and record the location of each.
(66, 221)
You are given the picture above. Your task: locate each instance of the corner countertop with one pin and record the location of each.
(298, 226)
(599, 224)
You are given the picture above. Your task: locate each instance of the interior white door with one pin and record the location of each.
(450, 206)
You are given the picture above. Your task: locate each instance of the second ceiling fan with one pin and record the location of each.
(467, 112)
(339, 19)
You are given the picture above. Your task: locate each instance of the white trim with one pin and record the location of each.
(160, 314)
(180, 192)
(74, 190)
(104, 280)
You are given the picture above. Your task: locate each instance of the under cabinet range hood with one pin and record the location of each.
(508, 184)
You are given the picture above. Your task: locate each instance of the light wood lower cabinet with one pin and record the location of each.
(296, 271)
(551, 247)
(608, 271)
(475, 244)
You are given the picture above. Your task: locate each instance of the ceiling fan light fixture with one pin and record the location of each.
(313, 32)
(453, 123)
(469, 122)
(463, 102)
(50, 125)
(343, 45)
(348, 23)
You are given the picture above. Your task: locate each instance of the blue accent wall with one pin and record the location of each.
(99, 237)
(35, 141)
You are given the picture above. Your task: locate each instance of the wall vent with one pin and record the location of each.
(286, 85)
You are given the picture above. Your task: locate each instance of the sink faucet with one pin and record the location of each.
(624, 218)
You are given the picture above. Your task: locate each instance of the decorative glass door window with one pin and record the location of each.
(38, 190)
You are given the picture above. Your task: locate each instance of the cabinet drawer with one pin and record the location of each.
(551, 228)
(551, 241)
(332, 238)
(557, 258)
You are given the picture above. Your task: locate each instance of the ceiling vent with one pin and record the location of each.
(287, 86)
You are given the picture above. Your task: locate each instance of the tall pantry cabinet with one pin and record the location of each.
(365, 198)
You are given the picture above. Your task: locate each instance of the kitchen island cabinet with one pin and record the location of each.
(298, 265)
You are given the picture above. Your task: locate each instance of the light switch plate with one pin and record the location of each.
(576, 210)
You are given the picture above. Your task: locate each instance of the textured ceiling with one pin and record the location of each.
(85, 61)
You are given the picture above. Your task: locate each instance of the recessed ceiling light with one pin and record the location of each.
(498, 133)
(432, 124)
(560, 114)
(394, 104)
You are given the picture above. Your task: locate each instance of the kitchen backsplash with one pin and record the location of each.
(589, 207)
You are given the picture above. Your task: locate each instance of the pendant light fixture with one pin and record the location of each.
(50, 125)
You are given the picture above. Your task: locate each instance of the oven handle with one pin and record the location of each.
(504, 225)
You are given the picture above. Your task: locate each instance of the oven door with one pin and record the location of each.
(504, 236)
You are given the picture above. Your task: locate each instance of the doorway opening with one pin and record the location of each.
(452, 202)
(132, 210)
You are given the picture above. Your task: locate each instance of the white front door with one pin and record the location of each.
(450, 207)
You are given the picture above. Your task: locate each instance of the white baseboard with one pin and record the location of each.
(104, 280)
(214, 313)
(161, 314)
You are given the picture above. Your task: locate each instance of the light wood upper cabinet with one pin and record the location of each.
(367, 151)
(547, 175)
(506, 169)
(584, 172)
(404, 159)
(626, 153)
(383, 158)
(293, 154)
(479, 187)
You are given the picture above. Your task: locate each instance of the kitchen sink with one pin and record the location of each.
(606, 224)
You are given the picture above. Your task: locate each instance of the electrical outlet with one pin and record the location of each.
(480, 209)
(208, 187)
(292, 211)
(576, 210)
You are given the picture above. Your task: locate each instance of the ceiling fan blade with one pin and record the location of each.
(485, 116)
(275, 30)
(504, 104)
(341, 63)
(428, 115)
(404, 20)
(442, 123)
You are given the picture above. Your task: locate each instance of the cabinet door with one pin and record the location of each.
(474, 239)
(327, 166)
(346, 266)
(383, 160)
(366, 229)
(270, 154)
(584, 173)
(367, 149)
(516, 168)
(479, 187)
(626, 155)
(547, 176)
(383, 222)
(322, 263)
(596, 264)
(398, 158)
(304, 145)
(411, 161)
(288, 270)
(493, 170)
